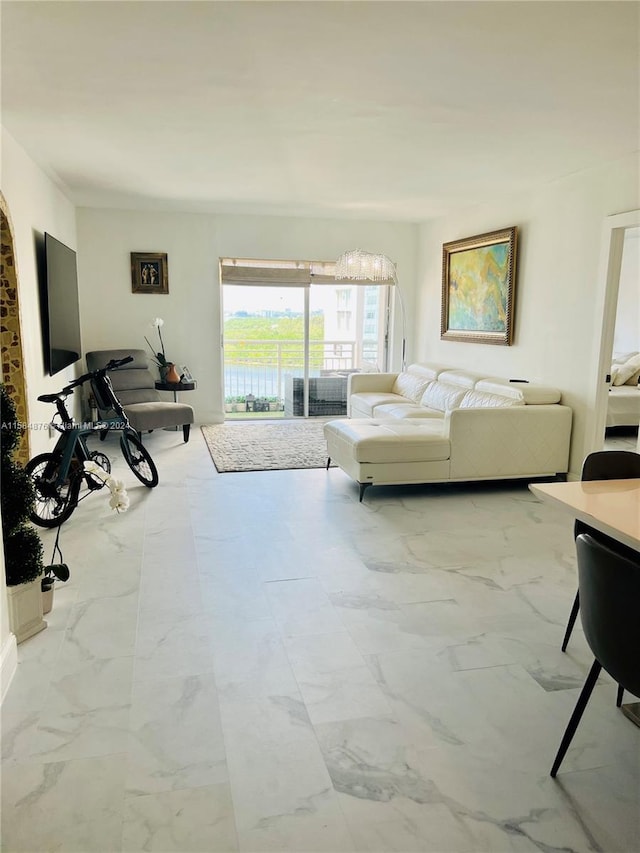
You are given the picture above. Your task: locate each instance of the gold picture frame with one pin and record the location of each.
(478, 288)
(149, 272)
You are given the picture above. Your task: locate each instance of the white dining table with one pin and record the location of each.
(610, 506)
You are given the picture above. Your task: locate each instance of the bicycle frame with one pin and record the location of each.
(107, 399)
(58, 475)
(72, 443)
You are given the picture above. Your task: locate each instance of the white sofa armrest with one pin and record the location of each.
(519, 441)
(382, 382)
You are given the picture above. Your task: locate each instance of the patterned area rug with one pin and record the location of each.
(266, 447)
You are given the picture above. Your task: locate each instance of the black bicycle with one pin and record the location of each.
(58, 476)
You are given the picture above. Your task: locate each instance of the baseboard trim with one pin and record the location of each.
(8, 664)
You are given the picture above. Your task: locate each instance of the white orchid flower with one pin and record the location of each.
(160, 358)
(92, 467)
(119, 501)
(119, 498)
(115, 485)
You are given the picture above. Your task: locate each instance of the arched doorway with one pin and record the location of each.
(10, 332)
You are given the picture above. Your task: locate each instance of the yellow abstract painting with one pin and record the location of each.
(477, 288)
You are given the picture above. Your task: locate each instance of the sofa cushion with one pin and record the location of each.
(458, 377)
(428, 370)
(373, 441)
(405, 410)
(484, 400)
(410, 385)
(532, 395)
(365, 402)
(442, 397)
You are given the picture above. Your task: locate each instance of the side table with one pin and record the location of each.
(175, 387)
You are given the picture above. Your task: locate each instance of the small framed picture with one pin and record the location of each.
(185, 374)
(149, 272)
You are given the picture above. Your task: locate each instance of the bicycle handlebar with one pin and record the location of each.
(112, 365)
(116, 362)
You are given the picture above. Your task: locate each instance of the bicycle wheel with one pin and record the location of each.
(138, 459)
(54, 501)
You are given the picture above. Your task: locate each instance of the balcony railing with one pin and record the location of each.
(261, 367)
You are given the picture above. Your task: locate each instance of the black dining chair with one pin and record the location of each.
(609, 586)
(601, 465)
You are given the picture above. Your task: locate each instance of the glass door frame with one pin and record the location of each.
(384, 325)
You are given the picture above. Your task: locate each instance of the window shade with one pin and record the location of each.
(253, 271)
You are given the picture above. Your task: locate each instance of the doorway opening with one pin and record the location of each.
(618, 304)
(623, 399)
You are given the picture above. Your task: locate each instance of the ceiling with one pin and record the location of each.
(377, 110)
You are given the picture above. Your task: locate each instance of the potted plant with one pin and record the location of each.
(22, 545)
(52, 573)
(167, 369)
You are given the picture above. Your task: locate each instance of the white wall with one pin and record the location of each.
(627, 329)
(557, 324)
(35, 205)
(113, 317)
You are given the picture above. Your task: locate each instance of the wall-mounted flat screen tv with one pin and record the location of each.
(61, 310)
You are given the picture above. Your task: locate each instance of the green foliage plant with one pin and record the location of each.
(280, 339)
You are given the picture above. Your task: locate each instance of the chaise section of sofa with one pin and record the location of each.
(435, 423)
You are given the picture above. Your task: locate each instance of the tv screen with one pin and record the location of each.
(61, 324)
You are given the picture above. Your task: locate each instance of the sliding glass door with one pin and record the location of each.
(264, 333)
(291, 338)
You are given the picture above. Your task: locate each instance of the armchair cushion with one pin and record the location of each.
(158, 415)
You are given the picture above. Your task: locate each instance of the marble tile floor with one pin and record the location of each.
(258, 662)
(623, 438)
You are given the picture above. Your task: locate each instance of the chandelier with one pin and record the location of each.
(359, 265)
(365, 266)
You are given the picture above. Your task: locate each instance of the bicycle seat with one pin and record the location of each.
(48, 398)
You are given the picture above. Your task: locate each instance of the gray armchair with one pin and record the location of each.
(135, 388)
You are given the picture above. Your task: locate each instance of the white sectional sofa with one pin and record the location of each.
(434, 423)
